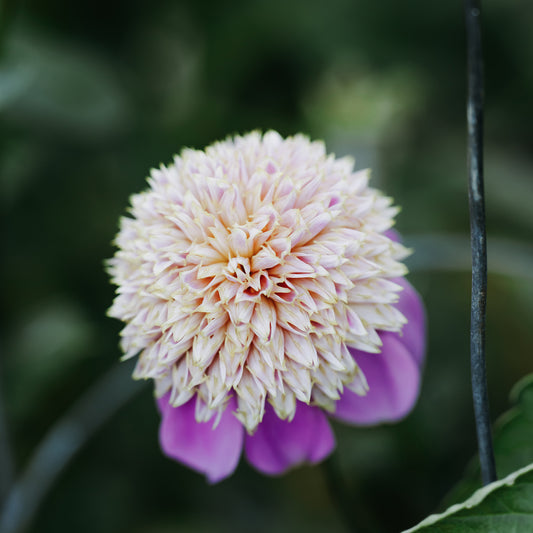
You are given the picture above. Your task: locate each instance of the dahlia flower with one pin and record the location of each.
(262, 290)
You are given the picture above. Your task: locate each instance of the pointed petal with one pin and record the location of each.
(393, 379)
(213, 452)
(413, 335)
(278, 445)
(393, 235)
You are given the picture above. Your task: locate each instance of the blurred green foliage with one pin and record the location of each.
(93, 94)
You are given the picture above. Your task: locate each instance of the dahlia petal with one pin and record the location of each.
(278, 445)
(213, 452)
(413, 335)
(410, 305)
(393, 378)
(393, 235)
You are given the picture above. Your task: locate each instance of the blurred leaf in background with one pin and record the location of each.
(44, 350)
(49, 85)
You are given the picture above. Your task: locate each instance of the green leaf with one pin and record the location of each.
(504, 506)
(513, 441)
(51, 342)
(357, 100)
(52, 86)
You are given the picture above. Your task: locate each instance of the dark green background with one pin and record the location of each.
(94, 93)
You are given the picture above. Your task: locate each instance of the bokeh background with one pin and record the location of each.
(95, 93)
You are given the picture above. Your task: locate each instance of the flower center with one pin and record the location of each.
(253, 283)
(238, 269)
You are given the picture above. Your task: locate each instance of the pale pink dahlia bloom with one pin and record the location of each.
(263, 292)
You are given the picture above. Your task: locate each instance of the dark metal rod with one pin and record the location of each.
(478, 240)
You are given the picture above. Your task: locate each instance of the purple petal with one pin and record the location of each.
(393, 378)
(278, 445)
(414, 332)
(413, 335)
(393, 235)
(214, 452)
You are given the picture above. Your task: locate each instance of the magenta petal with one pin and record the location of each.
(393, 378)
(278, 445)
(393, 235)
(214, 452)
(413, 335)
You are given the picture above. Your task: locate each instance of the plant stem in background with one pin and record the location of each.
(6, 455)
(353, 512)
(62, 442)
(478, 239)
(7, 12)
